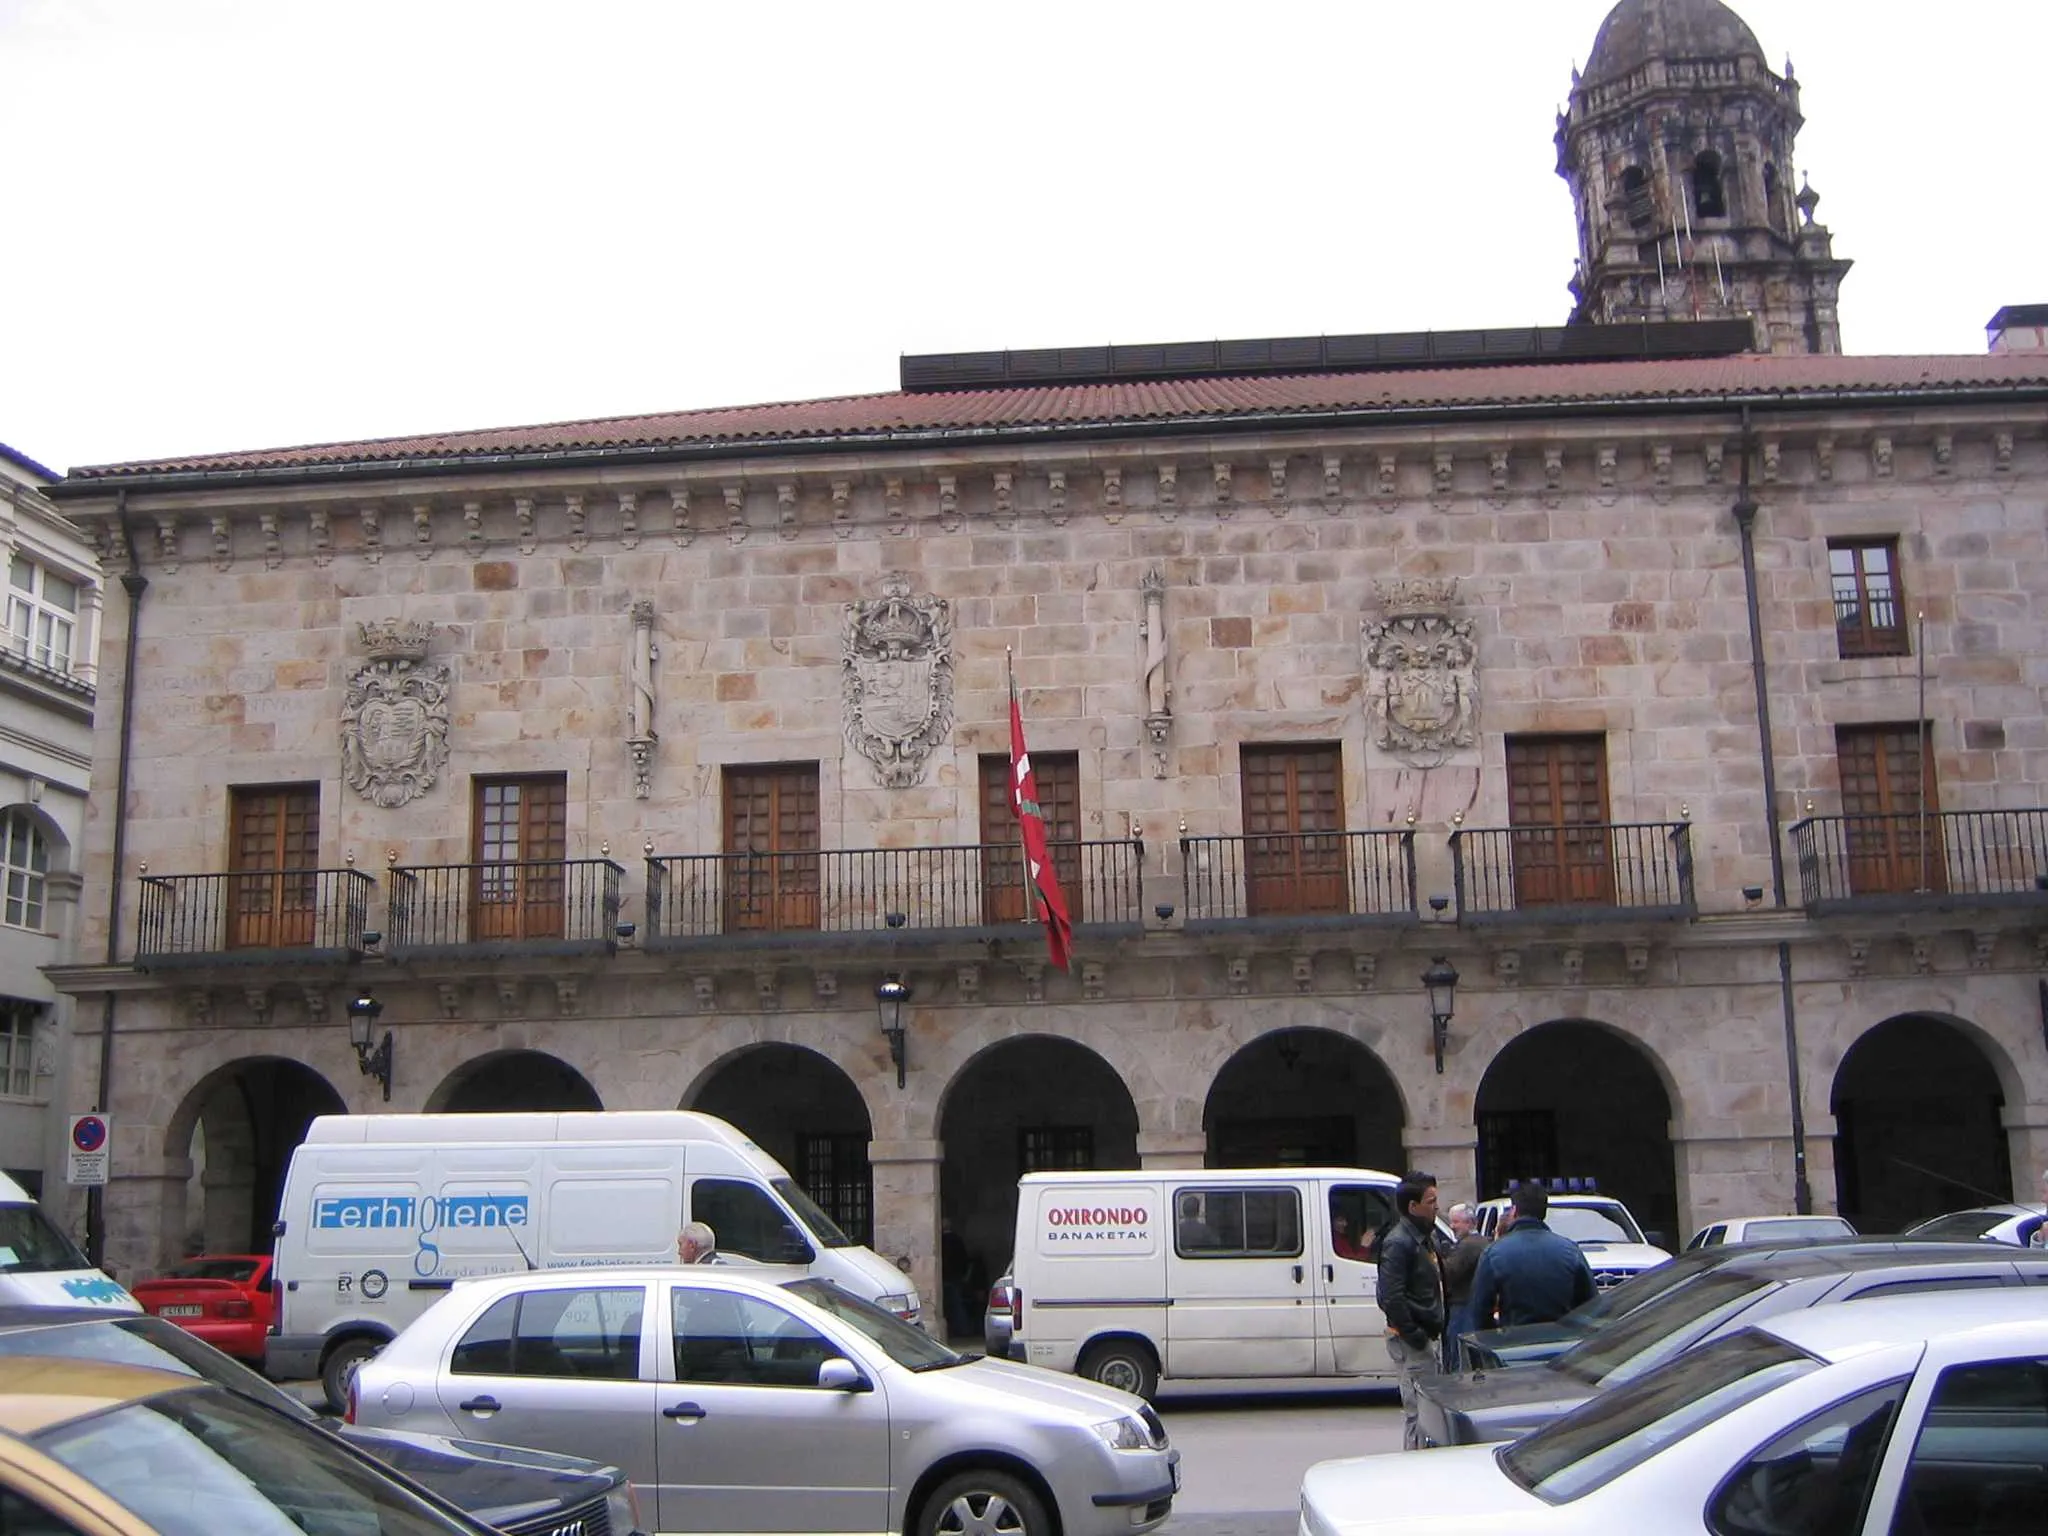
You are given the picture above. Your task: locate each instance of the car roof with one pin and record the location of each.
(1981, 1210)
(730, 1276)
(1213, 1176)
(1836, 1332)
(37, 1391)
(1863, 1253)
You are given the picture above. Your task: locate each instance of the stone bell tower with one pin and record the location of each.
(1677, 146)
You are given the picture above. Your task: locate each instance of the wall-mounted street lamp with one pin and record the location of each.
(1441, 980)
(363, 1010)
(890, 997)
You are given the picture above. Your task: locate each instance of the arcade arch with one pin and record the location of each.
(804, 1111)
(513, 1080)
(235, 1132)
(1305, 1097)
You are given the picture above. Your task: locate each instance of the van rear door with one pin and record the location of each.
(1243, 1299)
(1353, 1333)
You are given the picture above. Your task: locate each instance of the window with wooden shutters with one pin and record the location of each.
(1889, 809)
(771, 817)
(273, 856)
(1870, 616)
(1002, 871)
(1557, 810)
(1293, 804)
(521, 836)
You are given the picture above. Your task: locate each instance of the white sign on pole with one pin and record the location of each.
(88, 1150)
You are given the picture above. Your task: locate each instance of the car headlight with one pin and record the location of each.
(622, 1508)
(902, 1303)
(1124, 1434)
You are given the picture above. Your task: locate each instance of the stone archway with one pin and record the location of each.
(235, 1132)
(1032, 1104)
(513, 1080)
(1917, 1125)
(805, 1112)
(1305, 1097)
(1576, 1099)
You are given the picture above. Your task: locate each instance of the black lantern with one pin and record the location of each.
(363, 1010)
(1442, 981)
(890, 997)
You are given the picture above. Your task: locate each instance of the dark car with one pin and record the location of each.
(1467, 1409)
(521, 1492)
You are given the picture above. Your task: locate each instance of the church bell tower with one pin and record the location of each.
(1677, 146)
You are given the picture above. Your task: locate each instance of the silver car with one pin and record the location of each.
(743, 1405)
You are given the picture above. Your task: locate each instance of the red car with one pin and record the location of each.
(225, 1298)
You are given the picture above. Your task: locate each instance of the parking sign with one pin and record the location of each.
(88, 1162)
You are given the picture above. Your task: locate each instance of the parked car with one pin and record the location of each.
(112, 1449)
(514, 1490)
(2015, 1224)
(1769, 1229)
(747, 1405)
(225, 1298)
(1926, 1414)
(1499, 1405)
(1605, 1230)
(999, 1321)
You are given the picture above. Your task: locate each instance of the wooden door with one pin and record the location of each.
(521, 838)
(1890, 826)
(1002, 850)
(772, 878)
(273, 862)
(1294, 830)
(1558, 844)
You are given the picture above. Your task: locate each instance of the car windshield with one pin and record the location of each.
(1780, 1229)
(202, 1461)
(812, 1215)
(1961, 1225)
(1607, 1222)
(907, 1346)
(241, 1271)
(1617, 1430)
(1652, 1334)
(1638, 1291)
(133, 1339)
(28, 1243)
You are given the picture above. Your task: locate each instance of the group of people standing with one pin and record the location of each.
(1434, 1290)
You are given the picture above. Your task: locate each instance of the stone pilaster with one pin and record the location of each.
(2026, 1130)
(145, 1215)
(906, 1175)
(1449, 1154)
(1172, 1149)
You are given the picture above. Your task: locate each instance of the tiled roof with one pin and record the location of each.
(1071, 409)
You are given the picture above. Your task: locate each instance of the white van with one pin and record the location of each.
(41, 1267)
(381, 1214)
(1128, 1278)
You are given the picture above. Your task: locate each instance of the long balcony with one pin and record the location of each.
(1298, 880)
(971, 891)
(479, 911)
(253, 917)
(1595, 872)
(1939, 861)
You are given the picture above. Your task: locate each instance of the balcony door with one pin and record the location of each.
(1557, 819)
(520, 833)
(1058, 775)
(1294, 830)
(1891, 829)
(771, 842)
(273, 859)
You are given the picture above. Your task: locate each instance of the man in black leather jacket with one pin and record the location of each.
(1411, 1293)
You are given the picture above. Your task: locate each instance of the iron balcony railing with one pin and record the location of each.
(965, 890)
(252, 917)
(525, 907)
(1937, 860)
(1588, 872)
(1296, 879)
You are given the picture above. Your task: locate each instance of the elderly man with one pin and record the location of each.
(696, 1244)
(1461, 1264)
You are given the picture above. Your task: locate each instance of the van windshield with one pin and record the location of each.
(808, 1211)
(30, 1245)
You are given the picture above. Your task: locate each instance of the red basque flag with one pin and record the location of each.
(1059, 928)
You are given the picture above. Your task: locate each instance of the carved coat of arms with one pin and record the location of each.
(897, 680)
(394, 717)
(1422, 677)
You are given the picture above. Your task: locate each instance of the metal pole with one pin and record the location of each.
(1920, 730)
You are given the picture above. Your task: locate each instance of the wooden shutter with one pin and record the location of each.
(521, 836)
(1293, 830)
(1887, 785)
(1002, 854)
(273, 856)
(1557, 808)
(771, 841)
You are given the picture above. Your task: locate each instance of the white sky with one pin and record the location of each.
(252, 223)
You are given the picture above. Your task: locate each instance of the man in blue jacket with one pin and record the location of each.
(1529, 1274)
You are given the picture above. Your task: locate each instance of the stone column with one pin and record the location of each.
(1172, 1149)
(906, 1175)
(1449, 1154)
(2026, 1130)
(145, 1219)
(1726, 1173)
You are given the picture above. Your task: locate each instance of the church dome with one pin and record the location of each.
(1636, 31)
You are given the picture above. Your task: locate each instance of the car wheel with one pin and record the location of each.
(1121, 1364)
(338, 1370)
(983, 1503)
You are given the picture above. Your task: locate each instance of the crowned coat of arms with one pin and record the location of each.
(1422, 677)
(897, 677)
(394, 717)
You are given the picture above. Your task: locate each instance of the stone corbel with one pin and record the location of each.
(2041, 950)
(1365, 971)
(679, 516)
(1858, 956)
(1002, 498)
(735, 513)
(629, 519)
(1553, 474)
(473, 528)
(1113, 494)
(1944, 453)
(1824, 457)
(767, 988)
(423, 529)
(257, 1000)
(1607, 470)
(825, 986)
(314, 1001)
(893, 508)
(1033, 974)
(1303, 966)
(372, 520)
(1636, 956)
(787, 511)
(522, 511)
(1333, 481)
(1923, 955)
(568, 996)
(1772, 455)
(1982, 943)
(842, 508)
(449, 995)
(1056, 497)
(1276, 486)
(579, 521)
(2001, 453)
(1169, 491)
(949, 503)
(1386, 477)
(273, 546)
(1498, 465)
(1507, 966)
(511, 997)
(1224, 478)
(705, 988)
(167, 541)
(1443, 472)
(1660, 472)
(1715, 456)
(1881, 456)
(967, 981)
(223, 542)
(1238, 971)
(199, 1008)
(1573, 963)
(1094, 982)
(323, 536)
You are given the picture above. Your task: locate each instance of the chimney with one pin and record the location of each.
(2019, 328)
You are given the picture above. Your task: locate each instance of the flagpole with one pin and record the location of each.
(1025, 885)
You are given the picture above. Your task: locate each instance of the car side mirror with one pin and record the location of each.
(1655, 1240)
(840, 1374)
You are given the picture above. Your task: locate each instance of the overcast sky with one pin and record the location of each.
(253, 223)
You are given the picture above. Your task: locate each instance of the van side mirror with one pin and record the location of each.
(840, 1374)
(792, 1248)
